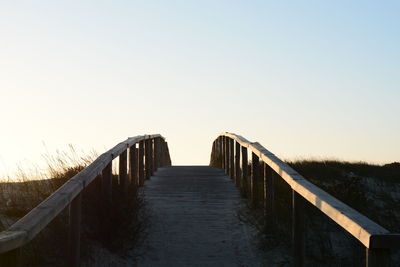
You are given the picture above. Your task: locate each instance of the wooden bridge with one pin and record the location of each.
(193, 223)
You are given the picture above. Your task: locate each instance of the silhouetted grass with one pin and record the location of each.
(368, 188)
(115, 227)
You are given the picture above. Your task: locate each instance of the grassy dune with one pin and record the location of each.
(373, 190)
(27, 189)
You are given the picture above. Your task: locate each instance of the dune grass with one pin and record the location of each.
(115, 228)
(369, 188)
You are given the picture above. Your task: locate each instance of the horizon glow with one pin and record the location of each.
(310, 80)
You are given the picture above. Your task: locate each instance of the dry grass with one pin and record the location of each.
(370, 189)
(27, 189)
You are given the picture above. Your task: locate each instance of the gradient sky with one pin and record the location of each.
(304, 78)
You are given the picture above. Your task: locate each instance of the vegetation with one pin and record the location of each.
(24, 192)
(370, 189)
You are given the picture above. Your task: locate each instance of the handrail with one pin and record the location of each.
(369, 233)
(26, 228)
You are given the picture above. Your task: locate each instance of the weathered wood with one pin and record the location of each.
(156, 154)
(220, 154)
(151, 157)
(223, 150)
(38, 218)
(74, 243)
(269, 204)
(133, 165)
(121, 147)
(193, 221)
(213, 154)
(106, 184)
(254, 181)
(377, 257)
(298, 231)
(349, 219)
(147, 156)
(123, 172)
(161, 153)
(238, 175)
(390, 240)
(232, 158)
(167, 154)
(245, 180)
(141, 163)
(11, 258)
(227, 155)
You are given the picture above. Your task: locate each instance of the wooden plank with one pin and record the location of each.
(31, 224)
(74, 243)
(141, 163)
(123, 171)
(106, 184)
(220, 153)
(167, 154)
(156, 155)
(151, 156)
(194, 222)
(269, 205)
(238, 175)
(226, 155)
(11, 258)
(147, 155)
(349, 219)
(164, 153)
(133, 165)
(391, 240)
(245, 182)
(298, 231)
(223, 152)
(232, 158)
(377, 257)
(213, 154)
(255, 177)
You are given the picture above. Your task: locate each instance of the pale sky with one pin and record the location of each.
(303, 78)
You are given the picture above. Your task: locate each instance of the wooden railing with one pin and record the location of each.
(230, 152)
(146, 154)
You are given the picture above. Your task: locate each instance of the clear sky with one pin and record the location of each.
(304, 78)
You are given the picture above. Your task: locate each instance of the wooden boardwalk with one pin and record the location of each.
(194, 220)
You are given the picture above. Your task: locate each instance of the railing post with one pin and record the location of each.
(147, 155)
(215, 152)
(141, 163)
(156, 155)
(164, 155)
(11, 258)
(106, 183)
(231, 158)
(377, 257)
(255, 177)
(245, 180)
(298, 229)
(223, 152)
(151, 157)
(123, 176)
(133, 165)
(213, 157)
(161, 153)
(220, 160)
(168, 157)
(226, 155)
(75, 210)
(269, 196)
(237, 165)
